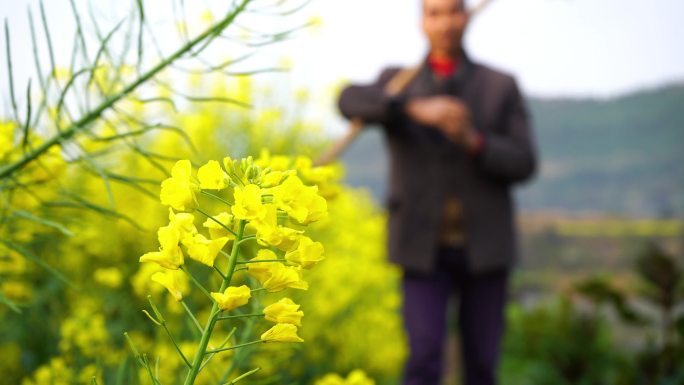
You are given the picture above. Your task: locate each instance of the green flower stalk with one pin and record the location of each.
(213, 317)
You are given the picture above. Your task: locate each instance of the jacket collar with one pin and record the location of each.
(450, 84)
(463, 67)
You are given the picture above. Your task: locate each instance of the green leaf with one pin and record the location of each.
(9, 71)
(27, 123)
(243, 376)
(38, 261)
(45, 222)
(9, 303)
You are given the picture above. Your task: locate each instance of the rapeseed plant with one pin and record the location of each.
(266, 207)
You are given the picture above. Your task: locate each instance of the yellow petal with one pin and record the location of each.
(181, 169)
(177, 193)
(184, 223)
(203, 250)
(248, 203)
(284, 311)
(164, 259)
(232, 297)
(171, 280)
(281, 333)
(307, 254)
(283, 277)
(211, 176)
(261, 270)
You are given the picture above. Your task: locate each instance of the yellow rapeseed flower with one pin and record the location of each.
(203, 250)
(282, 277)
(281, 237)
(281, 333)
(248, 203)
(284, 311)
(184, 223)
(299, 201)
(177, 191)
(261, 270)
(169, 255)
(171, 280)
(218, 231)
(232, 297)
(212, 177)
(307, 253)
(325, 177)
(273, 178)
(269, 233)
(275, 163)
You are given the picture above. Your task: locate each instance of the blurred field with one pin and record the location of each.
(597, 297)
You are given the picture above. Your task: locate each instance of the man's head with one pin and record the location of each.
(444, 22)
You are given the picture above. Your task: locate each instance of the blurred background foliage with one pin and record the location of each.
(77, 215)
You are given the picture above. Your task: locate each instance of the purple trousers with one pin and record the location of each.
(482, 298)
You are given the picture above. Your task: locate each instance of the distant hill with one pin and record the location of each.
(623, 155)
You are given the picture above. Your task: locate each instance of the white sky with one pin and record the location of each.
(597, 48)
(554, 47)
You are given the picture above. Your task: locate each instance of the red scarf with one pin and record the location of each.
(443, 67)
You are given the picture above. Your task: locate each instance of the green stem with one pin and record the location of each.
(261, 260)
(248, 238)
(162, 322)
(173, 340)
(211, 322)
(132, 345)
(206, 214)
(196, 282)
(216, 197)
(9, 72)
(192, 316)
(241, 315)
(151, 318)
(242, 376)
(146, 365)
(217, 270)
(84, 122)
(225, 341)
(234, 347)
(141, 359)
(238, 356)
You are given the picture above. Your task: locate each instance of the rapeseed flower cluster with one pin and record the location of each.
(267, 207)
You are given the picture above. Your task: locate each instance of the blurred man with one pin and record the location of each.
(458, 138)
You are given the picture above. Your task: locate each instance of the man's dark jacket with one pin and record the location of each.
(425, 166)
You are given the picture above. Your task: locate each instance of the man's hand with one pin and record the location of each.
(447, 114)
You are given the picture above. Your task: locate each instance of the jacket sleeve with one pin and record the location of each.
(370, 102)
(510, 152)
